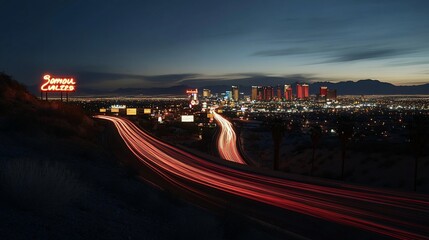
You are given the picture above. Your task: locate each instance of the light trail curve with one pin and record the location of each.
(227, 140)
(384, 212)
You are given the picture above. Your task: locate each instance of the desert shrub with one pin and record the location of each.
(37, 185)
(387, 163)
(253, 137)
(328, 174)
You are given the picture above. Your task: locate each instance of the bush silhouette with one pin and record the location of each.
(37, 185)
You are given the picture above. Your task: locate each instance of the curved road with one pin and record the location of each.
(227, 140)
(383, 212)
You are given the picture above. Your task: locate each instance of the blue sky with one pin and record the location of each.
(111, 44)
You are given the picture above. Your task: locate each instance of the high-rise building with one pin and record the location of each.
(302, 91)
(254, 93)
(260, 93)
(279, 93)
(288, 92)
(331, 94)
(235, 93)
(228, 95)
(268, 93)
(207, 93)
(299, 92)
(265, 93)
(305, 91)
(323, 91)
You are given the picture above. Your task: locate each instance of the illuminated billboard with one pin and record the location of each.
(187, 118)
(118, 106)
(56, 84)
(132, 111)
(147, 111)
(192, 91)
(114, 110)
(102, 110)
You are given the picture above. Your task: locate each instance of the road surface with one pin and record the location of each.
(227, 141)
(384, 212)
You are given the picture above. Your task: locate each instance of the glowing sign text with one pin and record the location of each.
(58, 84)
(192, 91)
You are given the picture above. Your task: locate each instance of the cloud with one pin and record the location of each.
(409, 63)
(358, 53)
(341, 53)
(368, 54)
(115, 80)
(280, 52)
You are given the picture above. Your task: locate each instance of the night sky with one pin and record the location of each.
(112, 44)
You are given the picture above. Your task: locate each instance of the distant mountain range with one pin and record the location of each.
(371, 87)
(361, 87)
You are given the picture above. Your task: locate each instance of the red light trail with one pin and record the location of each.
(227, 141)
(383, 212)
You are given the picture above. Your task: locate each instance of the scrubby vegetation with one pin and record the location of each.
(22, 112)
(31, 184)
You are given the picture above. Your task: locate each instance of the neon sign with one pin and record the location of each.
(192, 91)
(58, 84)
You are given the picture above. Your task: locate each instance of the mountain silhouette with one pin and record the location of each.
(370, 87)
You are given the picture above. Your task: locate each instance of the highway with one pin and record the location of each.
(227, 140)
(382, 212)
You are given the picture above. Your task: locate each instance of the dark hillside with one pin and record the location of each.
(57, 181)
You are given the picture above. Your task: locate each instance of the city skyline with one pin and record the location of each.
(163, 44)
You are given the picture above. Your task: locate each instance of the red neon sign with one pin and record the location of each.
(192, 91)
(58, 84)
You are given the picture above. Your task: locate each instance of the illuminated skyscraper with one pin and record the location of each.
(323, 91)
(302, 91)
(279, 93)
(331, 94)
(235, 93)
(299, 92)
(288, 92)
(305, 91)
(260, 93)
(268, 93)
(265, 93)
(228, 95)
(254, 95)
(207, 93)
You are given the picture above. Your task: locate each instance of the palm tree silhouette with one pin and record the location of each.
(277, 134)
(418, 133)
(345, 133)
(315, 134)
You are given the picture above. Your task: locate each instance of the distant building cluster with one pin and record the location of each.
(302, 92)
(327, 94)
(279, 93)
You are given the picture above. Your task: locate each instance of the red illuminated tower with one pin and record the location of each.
(299, 92)
(305, 91)
(323, 91)
(279, 93)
